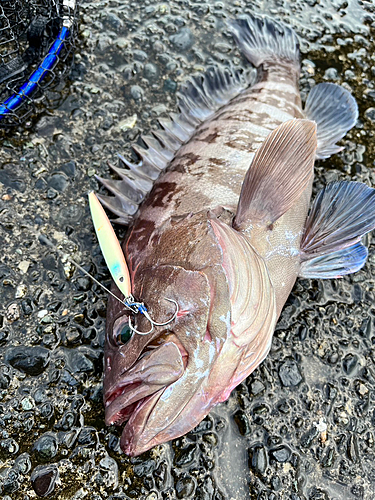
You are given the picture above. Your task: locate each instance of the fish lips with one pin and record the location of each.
(148, 378)
(132, 442)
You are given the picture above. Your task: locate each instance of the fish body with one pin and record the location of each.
(207, 173)
(224, 231)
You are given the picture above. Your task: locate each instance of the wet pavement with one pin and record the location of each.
(302, 425)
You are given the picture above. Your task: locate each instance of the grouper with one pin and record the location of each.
(219, 231)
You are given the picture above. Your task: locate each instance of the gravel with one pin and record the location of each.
(301, 427)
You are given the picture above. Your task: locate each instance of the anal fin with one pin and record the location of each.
(279, 173)
(341, 214)
(335, 264)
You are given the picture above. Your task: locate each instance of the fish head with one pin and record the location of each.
(164, 383)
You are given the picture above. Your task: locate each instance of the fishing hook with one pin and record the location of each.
(142, 309)
(129, 302)
(115, 260)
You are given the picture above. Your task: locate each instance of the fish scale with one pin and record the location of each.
(218, 212)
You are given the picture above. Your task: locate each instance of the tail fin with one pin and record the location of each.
(262, 39)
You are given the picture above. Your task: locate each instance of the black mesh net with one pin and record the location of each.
(37, 38)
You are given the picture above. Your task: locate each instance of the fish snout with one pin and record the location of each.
(158, 367)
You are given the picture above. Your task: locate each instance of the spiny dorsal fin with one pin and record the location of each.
(200, 97)
(280, 172)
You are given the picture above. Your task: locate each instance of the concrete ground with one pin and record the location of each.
(302, 426)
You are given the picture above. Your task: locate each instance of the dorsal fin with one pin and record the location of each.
(281, 170)
(199, 98)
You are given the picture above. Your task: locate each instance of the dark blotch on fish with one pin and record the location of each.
(220, 223)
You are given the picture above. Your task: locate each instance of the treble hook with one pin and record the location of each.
(142, 309)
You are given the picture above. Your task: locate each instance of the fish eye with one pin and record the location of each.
(124, 335)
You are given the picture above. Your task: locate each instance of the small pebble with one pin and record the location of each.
(349, 363)
(43, 479)
(331, 74)
(59, 182)
(370, 114)
(183, 40)
(281, 453)
(128, 123)
(258, 459)
(136, 92)
(27, 404)
(29, 360)
(46, 446)
(185, 487)
(289, 373)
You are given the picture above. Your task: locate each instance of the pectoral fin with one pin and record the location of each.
(280, 172)
(252, 296)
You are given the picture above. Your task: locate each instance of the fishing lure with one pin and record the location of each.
(116, 263)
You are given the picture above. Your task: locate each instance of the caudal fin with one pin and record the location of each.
(262, 39)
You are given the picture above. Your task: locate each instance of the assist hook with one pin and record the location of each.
(117, 266)
(140, 307)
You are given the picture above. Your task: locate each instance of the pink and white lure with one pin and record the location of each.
(110, 246)
(116, 263)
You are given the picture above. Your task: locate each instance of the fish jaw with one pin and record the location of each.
(216, 362)
(143, 371)
(209, 378)
(177, 409)
(155, 370)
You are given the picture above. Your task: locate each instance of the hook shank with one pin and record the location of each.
(142, 309)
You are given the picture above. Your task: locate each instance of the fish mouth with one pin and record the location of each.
(161, 363)
(124, 401)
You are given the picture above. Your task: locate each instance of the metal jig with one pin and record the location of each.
(129, 302)
(114, 257)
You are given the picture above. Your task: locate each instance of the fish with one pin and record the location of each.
(221, 224)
